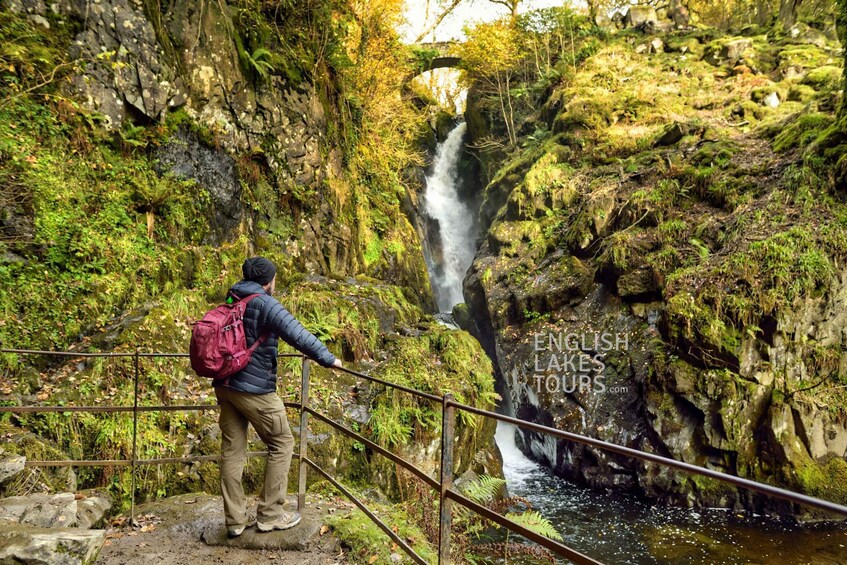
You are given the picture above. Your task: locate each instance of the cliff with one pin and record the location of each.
(663, 265)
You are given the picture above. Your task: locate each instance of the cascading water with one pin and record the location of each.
(450, 249)
(611, 528)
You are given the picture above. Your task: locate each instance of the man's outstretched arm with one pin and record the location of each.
(291, 331)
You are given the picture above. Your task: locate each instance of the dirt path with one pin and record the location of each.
(173, 530)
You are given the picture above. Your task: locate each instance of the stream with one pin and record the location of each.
(612, 528)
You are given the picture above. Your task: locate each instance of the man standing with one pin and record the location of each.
(250, 396)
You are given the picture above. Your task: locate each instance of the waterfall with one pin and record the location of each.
(452, 223)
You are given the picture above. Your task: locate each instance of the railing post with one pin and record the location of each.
(445, 522)
(134, 441)
(304, 434)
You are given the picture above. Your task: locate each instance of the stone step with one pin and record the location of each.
(301, 537)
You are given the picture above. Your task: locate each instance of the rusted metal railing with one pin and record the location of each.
(443, 485)
(135, 409)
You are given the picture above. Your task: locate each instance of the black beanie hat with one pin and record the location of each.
(258, 269)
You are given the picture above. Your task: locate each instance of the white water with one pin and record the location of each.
(456, 230)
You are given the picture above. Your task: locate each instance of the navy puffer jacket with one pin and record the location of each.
(264, 314)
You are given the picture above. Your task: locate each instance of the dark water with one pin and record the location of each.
(621, 529)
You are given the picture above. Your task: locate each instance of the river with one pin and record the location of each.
(612, 528)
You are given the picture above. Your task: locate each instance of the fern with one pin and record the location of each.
(483, 489)
(259, 62)
(532, 520)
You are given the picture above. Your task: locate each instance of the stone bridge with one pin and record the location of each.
(437, 55)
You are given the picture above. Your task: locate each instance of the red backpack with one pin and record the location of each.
(218, 343)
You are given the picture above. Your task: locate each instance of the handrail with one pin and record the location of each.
(653, 458)
(447, 494)
(404, 388)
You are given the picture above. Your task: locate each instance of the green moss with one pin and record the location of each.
(827, 77)
(801, 93)
(800, 132)
(368, 544)
(759, 93)
(804, 57)
(826, 480)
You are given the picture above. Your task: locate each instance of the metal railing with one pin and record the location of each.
(443, 486)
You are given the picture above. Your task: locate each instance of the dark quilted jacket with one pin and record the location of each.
(265, 314)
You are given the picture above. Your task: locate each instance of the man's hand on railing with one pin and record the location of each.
(337, 364)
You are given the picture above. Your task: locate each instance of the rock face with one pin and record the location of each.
(186, 158)
(593, 337)
(141, 67)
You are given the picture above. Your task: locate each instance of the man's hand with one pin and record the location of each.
(337, 364)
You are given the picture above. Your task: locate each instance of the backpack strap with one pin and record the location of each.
(262, 338)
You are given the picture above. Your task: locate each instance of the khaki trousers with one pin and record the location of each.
(266, 413)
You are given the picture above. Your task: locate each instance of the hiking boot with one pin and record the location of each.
(235, 531)
(285, 521)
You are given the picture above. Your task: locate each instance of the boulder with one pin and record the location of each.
(804, 34)
(11, 465)
(303, 537)
(672, 135)
(41, 510)
(730, 52)
(42, 546)
(680, 16)
(63, 510)
(637, 285)
(638, 15)
(656, 45)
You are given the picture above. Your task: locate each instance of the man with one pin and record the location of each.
(250, 396)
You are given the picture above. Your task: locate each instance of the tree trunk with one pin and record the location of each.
(788, 12)
(841, 26)
(763, 12)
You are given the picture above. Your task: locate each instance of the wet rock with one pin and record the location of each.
(42, 546)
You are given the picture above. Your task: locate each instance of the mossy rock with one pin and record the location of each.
(727, 50)
(591, 112)
(684, 44)
(797, 60)
(760, 93)
(827, 77)
(801, 93)
(799, 133)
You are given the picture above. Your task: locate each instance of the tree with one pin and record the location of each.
(431, 27)
(512, 5)
(490, 56)
(841, 26)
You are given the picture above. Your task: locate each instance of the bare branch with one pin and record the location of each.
(438, 20)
